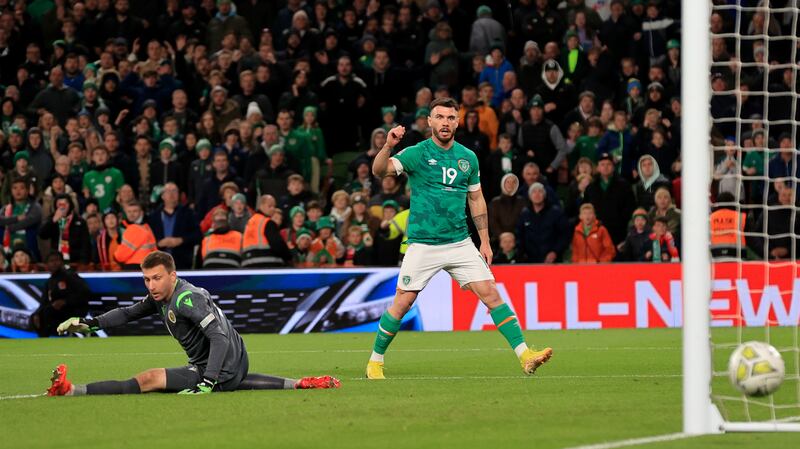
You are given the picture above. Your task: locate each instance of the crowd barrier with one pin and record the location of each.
(352, 300)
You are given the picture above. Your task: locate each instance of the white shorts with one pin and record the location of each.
(461, 260)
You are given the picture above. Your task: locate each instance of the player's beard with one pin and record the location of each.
(443, 140)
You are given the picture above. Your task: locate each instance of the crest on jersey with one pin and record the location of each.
(463, 165)
(108, 179)
(171, 316)
(406, 280)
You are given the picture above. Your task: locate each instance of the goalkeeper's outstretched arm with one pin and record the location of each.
(112, 318)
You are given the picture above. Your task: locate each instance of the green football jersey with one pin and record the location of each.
(439, 180)
(103, 185)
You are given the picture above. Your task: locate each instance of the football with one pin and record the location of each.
(756, 368)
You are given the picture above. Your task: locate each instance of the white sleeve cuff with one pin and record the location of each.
(398, 166)
(474, 187)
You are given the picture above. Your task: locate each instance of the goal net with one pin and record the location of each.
(747, 286)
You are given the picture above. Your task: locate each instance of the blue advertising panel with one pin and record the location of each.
(256, 301)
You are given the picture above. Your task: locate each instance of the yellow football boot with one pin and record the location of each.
(531, 360)
(375, 370)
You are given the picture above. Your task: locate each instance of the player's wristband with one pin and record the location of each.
(91, 322)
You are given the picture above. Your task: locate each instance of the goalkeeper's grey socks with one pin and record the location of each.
(130, 386)
(255, 381)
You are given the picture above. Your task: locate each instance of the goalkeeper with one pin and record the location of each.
(217, 356)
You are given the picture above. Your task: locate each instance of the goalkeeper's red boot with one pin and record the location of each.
(59, 385)
(317, 382)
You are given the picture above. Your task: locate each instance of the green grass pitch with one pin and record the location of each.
(460, 390)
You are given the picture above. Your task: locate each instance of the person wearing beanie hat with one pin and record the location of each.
(300, 248)
(388, 114)
(672, 65)
(22, 170)
(296, 223)
(167, 143)
(485, 32)
(199, 169)
(90, 100)
(634, 101)
(673, 43)
(326, 249)
(391, 204)
(530, 67)
(239, 214)
(313, 133)
(203, 144)
(22, 155)
(634, 83)
(15, 129)
(254, 113)
(573, 59)
(166, 167)
(274, 149)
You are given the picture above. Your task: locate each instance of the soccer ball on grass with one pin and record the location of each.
(756, 368)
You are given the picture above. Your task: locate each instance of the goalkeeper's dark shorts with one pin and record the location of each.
(184, 377)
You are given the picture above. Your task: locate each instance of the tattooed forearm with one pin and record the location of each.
(481, 221)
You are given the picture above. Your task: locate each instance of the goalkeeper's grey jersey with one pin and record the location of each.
(192, 318)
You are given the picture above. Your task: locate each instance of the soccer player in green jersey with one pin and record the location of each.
(443, 175)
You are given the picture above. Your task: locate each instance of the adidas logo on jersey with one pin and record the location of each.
(432, 161)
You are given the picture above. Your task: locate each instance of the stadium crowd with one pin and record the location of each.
(241, 134)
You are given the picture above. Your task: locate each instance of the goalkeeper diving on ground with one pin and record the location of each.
(217, 355)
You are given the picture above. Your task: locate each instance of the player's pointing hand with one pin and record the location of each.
(395, 135)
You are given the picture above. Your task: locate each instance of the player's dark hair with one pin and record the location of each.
(157, 258)
(446, 102)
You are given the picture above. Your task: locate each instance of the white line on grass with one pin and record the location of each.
(636, 441)
(556, 377)
(339, 351)
(21, 396)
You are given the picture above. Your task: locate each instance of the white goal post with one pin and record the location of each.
(700, 415)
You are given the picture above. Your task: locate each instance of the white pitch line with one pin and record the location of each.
(337, 351)
(556, 377)
(21, 396)
(636, 441)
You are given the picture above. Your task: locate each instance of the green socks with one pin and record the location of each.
(387, 329)
(507, 324)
